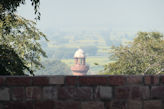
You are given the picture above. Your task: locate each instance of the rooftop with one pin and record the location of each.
(79, 54)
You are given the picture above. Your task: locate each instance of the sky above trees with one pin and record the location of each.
(117, 15)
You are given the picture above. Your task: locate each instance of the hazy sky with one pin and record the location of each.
(121, 15)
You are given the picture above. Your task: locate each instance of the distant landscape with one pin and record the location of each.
(62, 46)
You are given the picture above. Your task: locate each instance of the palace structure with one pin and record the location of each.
(80, 68)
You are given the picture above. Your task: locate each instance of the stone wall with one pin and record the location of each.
(82, 92)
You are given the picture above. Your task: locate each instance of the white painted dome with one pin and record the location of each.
(79, 54)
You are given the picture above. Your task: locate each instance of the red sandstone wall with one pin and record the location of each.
(85, 92)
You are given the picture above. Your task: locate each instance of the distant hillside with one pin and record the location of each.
(62, 45)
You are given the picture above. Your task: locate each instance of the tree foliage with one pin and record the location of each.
(10, 62)
(9, 7)
(23, 38)
(145, 55)
(19, 39)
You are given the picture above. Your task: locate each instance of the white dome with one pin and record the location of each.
(79, 54)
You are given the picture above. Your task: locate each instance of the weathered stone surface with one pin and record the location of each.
(117, 104)
(117, 80)
(83, 93)
(49, 93)
(157, 92)
(67, 105)
(80, 93)
(40, 80)
(93, 105)
(2, 80)
(93, 80)
(162, 78)
(140, 92)
(107, 104)
(4, 94)
(135, 79)
(18, 105)
(18, 93)
(56, 80)
(18, 81)
(33, 93)
(151, 79)
(134, 104)
(71, 80)
(122, 92)
(145, 92)
(66, 93)
(44, 105)
(153, 104)
(104, 92)
(1, 106)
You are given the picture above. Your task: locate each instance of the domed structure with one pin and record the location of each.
(79, 68)
(79, 54)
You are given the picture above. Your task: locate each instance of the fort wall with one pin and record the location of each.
(82, 92)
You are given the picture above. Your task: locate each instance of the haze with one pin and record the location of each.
(117, 15)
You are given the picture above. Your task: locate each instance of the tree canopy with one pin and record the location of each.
(10, 6)
(23, 38)
(145, 55)
(19, 39)
(10, 62)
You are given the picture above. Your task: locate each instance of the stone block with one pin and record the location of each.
(18, 105)
(132, 104)
(44, 105)
(162, 78)
(2, 80)
(151, 79)
(104, 92)
(140, 92)
(4, 94)
(1, 106)
(135, 79)
(66, 93)
(107, 104)
(157, 92)
(33, 93)
(56, 80)
(40, 80)
(153, 104)
(93, 80)
(49, 93)
(83, 93)
(18, 93)
(92, 105)
(67, 105)
(80, 93)
(18, 81)
(117, 104)
(117, 80)
(71, 80)
(122, 92)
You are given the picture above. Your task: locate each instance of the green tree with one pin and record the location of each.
(145, 55)
(11, 63)
(9, 7)
(23, 38)
(19, 39)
